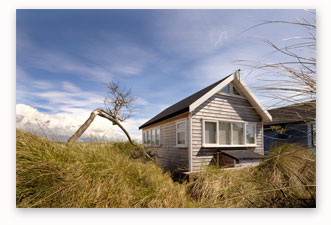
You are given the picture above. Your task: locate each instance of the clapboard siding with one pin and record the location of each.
(221, 107)
(168, 156)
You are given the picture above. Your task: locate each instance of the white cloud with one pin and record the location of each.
(118, 54)
(22, 77)
(42, 85)
(61, 126)
(218, 37)
(217, 66)
(67, 86)
(191, 33)
(54, 61)
(58, 101)
(102, 58)
(141, 101)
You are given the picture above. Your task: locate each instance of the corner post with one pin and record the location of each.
(190, 142)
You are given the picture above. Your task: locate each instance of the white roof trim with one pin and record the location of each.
(243, 88)
(266, 117)
(210, 93)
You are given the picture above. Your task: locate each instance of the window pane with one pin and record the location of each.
(210, 133)
(148, 137)
(250, 134)
(225, 133)
(238, 133)
(158, 137)
(226, 89)
(235, 91)
(153, 137)
(181, 138)
(144, 137)
(181, 125)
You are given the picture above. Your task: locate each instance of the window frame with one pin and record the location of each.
(231, 92)
(149, 138)
(204, 135)
(245, 144)
(158, 139)
(230, 122)
(244, 134)
(181, 130)
(144, 138)
(250, 144)
(150, 131)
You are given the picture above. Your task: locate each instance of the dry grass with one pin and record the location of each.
(287, 178)
(89, 175)
(50, 174)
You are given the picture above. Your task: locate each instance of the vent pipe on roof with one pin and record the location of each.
(237, 74)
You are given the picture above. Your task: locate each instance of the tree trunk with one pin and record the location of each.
(83, 128)
(104, 114)
(115, 122)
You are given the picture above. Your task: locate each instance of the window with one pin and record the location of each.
(181, 138)
(237, 133)
(225, 133)
(250, 134)
(158, 136)
(152, 137)
(210, 132)
(230, 90)
(181, 133)
(149, 138)
(145, 137)
(226, 89)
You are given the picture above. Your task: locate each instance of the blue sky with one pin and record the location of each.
(64, 57)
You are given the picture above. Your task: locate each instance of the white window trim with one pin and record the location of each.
(203, 133)
(217, 133)
(181, 130)
(152, 130)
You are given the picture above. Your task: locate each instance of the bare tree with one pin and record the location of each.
(119, 102)
(292, 80)
(118, 108)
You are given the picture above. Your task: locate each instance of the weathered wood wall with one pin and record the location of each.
(168, 156)
(221, 107)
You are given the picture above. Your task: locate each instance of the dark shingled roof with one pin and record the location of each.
(299, 112)
(242, 154)
(181, 106)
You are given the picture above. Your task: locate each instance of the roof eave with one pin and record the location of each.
(164, 118)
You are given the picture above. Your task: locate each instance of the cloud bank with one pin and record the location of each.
(61, 126)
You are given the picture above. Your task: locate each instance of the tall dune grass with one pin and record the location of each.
(98, 175)
(287, 178)
(50, 174)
